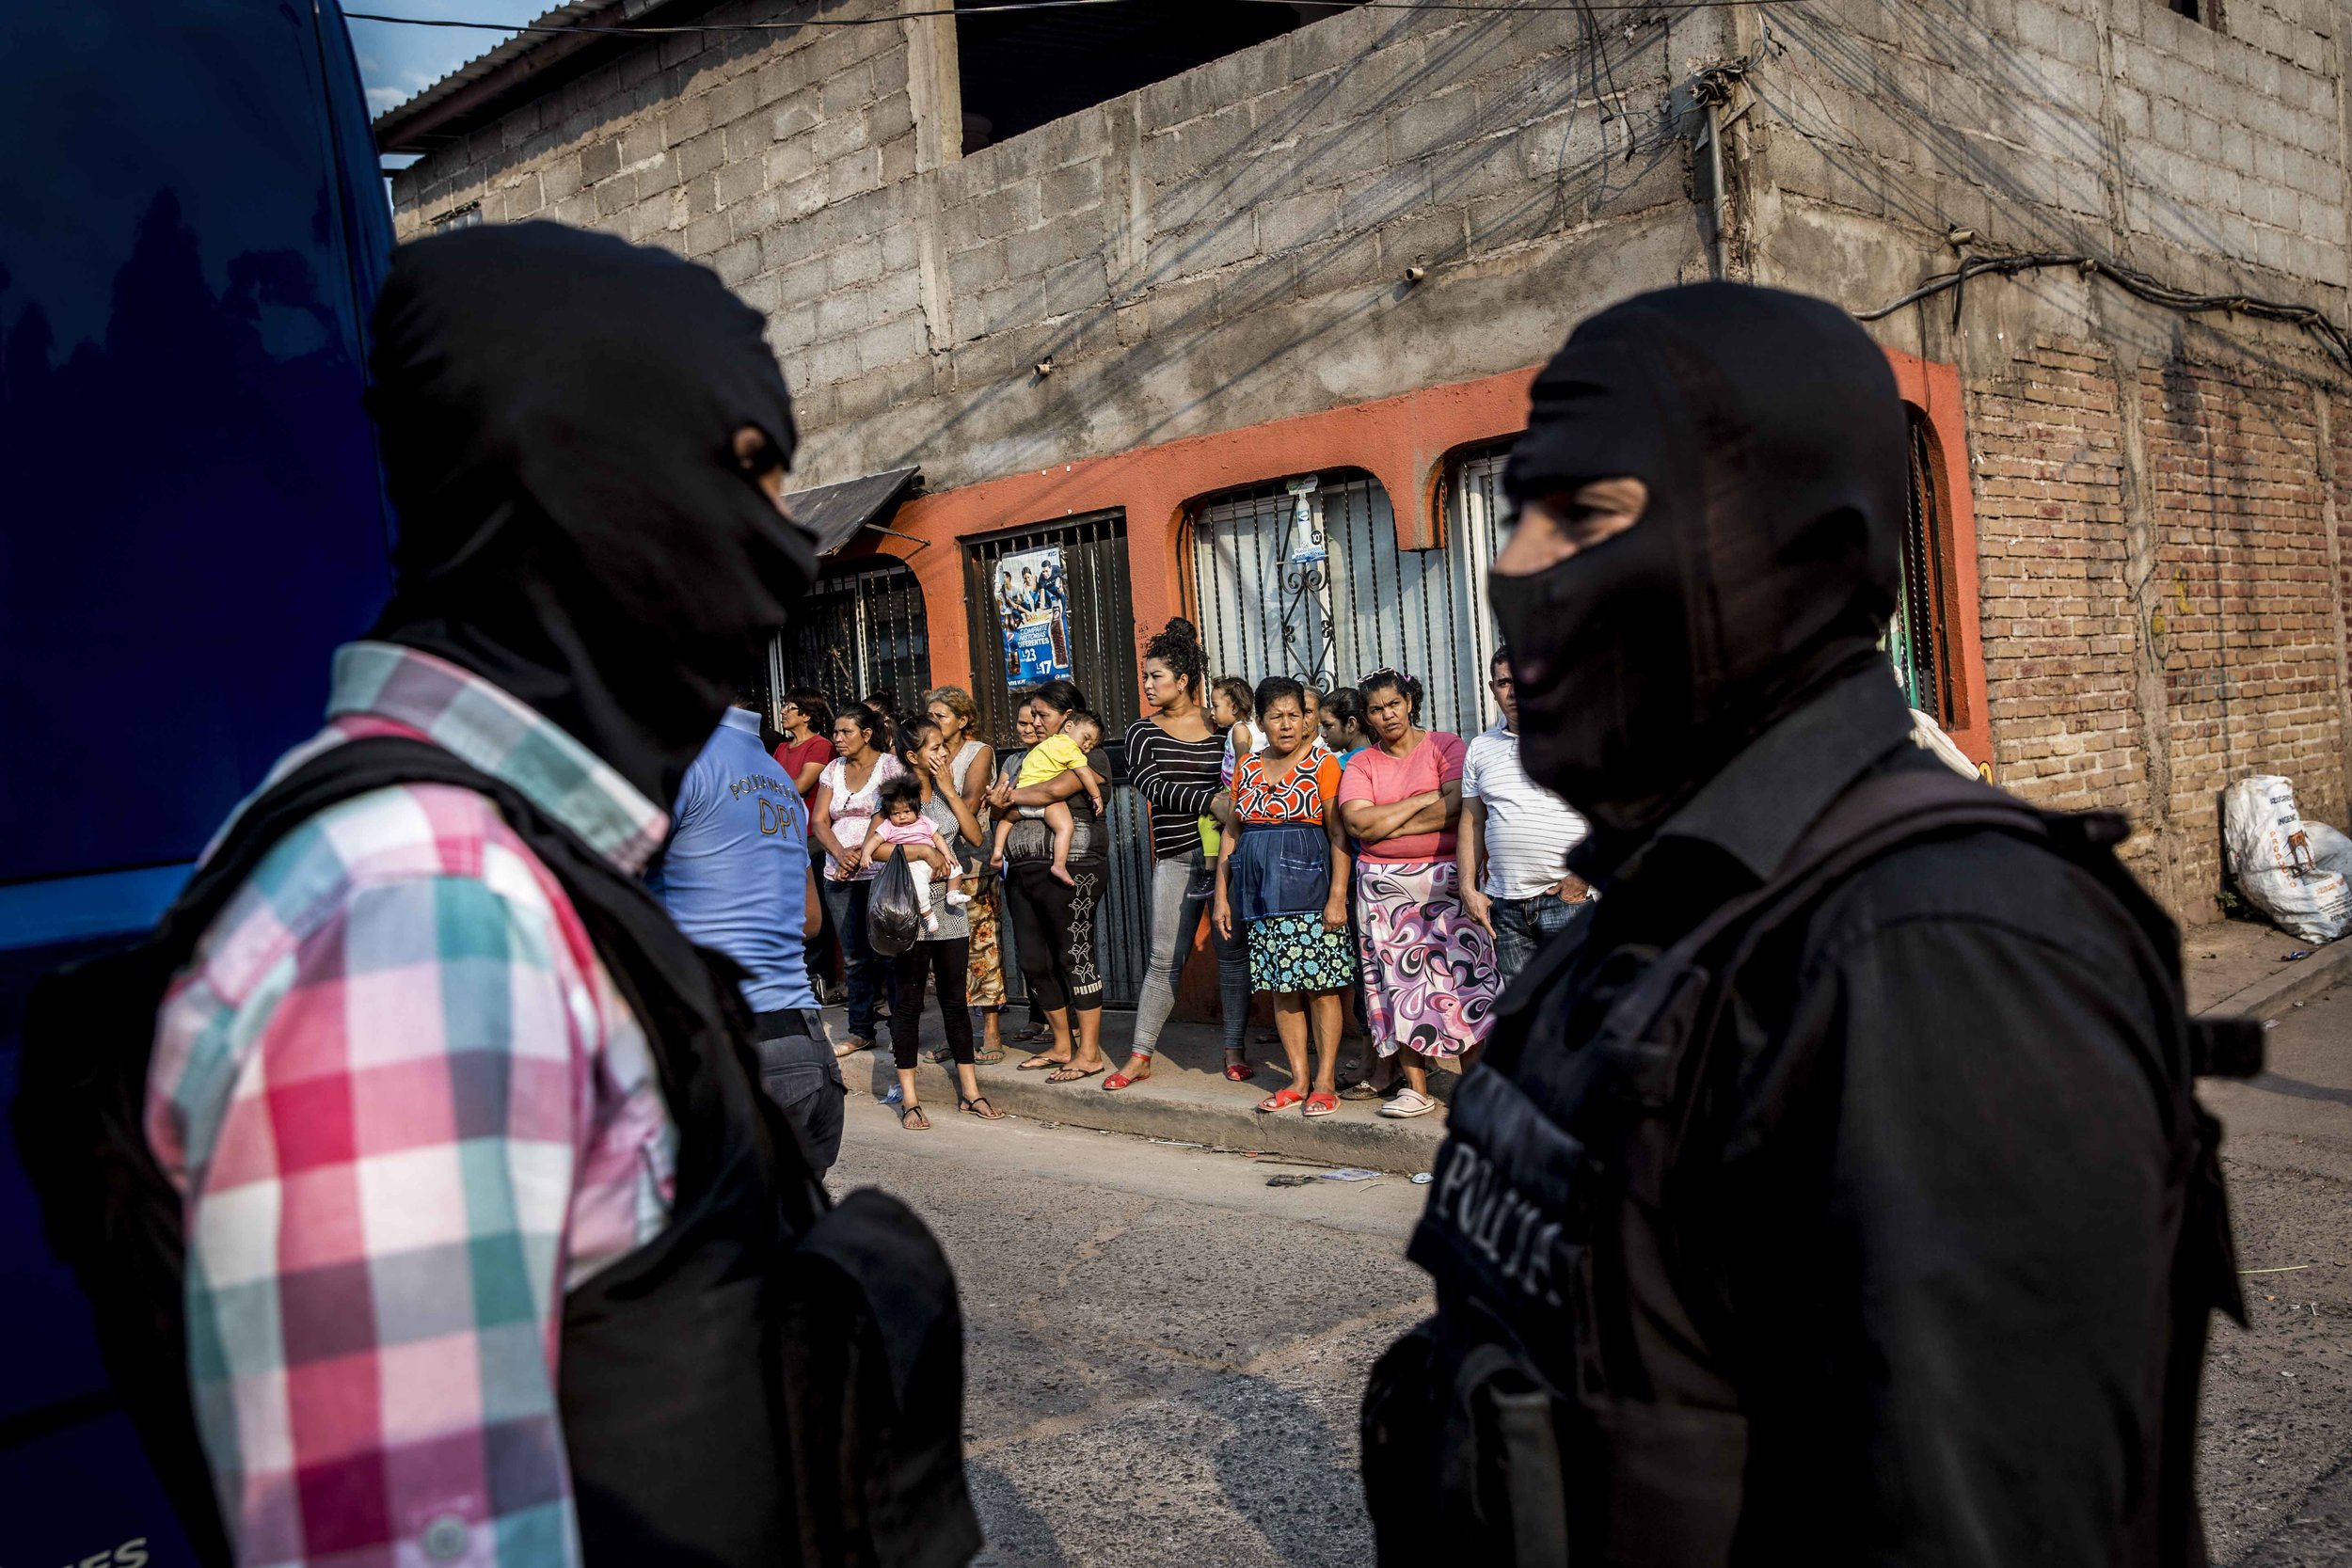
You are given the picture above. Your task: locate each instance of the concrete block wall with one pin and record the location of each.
(1217, 249)
(2211, 156)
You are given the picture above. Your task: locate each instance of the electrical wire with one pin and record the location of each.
(2138, 284)
(625, 29)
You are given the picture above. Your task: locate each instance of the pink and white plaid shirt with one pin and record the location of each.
(407, 1109)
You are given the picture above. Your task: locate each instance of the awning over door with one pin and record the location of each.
(836, 511)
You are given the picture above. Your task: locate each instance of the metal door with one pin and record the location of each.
(1101, 647)
(1303, 578)
(860, 630)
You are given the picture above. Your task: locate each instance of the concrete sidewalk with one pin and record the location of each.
(1187, 1099)
(2233, 968)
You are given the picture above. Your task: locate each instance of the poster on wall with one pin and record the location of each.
(1033, 606)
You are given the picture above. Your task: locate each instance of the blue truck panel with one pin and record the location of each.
(192, 516)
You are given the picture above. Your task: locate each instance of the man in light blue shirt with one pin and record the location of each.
(735, 877)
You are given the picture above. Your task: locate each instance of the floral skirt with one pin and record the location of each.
(1429, 969)
(984, 983)
(1297, 952)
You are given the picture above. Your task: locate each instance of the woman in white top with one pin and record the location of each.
(839, 819)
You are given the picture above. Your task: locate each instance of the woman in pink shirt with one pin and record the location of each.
(1428, 969)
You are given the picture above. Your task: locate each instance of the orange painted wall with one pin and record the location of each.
(1403, 442)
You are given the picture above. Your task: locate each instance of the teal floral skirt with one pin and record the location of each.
(1296, 952)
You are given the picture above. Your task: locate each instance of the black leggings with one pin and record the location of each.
(952, 960)
(1053, 925)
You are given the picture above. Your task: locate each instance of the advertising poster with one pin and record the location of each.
(1033, 606)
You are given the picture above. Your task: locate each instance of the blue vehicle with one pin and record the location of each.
(192, 228)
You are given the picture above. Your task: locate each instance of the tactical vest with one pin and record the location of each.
(1551, 1212)
(771, 1379)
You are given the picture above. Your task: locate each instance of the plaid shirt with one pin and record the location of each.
(407, 1109)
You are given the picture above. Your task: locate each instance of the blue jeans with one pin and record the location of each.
(1524, 925)
(1184, 893)
(869, 971)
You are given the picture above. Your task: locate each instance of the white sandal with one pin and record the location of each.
(1409, 1102)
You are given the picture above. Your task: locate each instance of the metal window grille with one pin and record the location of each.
(1915, 639)
(861, 629)
(1477, 517)
(1104, 665)
(1101, 621)
(1308, 582)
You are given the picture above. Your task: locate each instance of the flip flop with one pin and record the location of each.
(972, 1108)
(1038, 1063)
(1070, 1074)
(906, 1124)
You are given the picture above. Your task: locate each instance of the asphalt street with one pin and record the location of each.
(2277, 1448)
(1165, 1353)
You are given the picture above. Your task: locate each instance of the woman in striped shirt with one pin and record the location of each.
(1174, 758)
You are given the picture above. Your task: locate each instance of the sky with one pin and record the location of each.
(397, 62)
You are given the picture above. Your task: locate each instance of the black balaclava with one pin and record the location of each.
(558, 413)
(1768, 429)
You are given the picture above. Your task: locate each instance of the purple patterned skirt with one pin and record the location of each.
(1428, 967)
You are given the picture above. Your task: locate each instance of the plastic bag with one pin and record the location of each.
(2271, 854)
(893, 915)
(2331, 850)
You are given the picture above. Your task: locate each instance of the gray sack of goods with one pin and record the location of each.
(2292, 870)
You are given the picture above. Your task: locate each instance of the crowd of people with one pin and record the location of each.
(1343, 859)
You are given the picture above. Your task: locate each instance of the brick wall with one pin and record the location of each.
(2045, 440)
(2249, 642)
(2237, 621)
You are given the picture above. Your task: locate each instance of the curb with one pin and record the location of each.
(1352, 1137)
(2269, 997)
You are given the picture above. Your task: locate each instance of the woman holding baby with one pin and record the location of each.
(940, 833)
(1051, 892)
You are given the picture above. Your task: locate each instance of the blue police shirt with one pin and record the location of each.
(734, 874)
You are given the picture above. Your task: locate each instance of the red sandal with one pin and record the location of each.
(1280, 1100)
(1322, 1105)
(1119, 1080)
(1239, 1073)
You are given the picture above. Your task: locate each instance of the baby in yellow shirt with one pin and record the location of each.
(1046, 761)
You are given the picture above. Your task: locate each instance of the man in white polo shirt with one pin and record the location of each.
(1514, 837)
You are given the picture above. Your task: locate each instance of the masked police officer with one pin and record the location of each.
(1832, 1191)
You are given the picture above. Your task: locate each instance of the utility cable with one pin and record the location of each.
(625, 29)
(2138, 284)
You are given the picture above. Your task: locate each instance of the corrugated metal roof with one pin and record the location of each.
(836, 512)
(507, 54)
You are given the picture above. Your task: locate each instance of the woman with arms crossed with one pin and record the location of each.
(1429, 969)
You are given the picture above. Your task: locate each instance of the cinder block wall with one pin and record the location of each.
(1215, 250)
